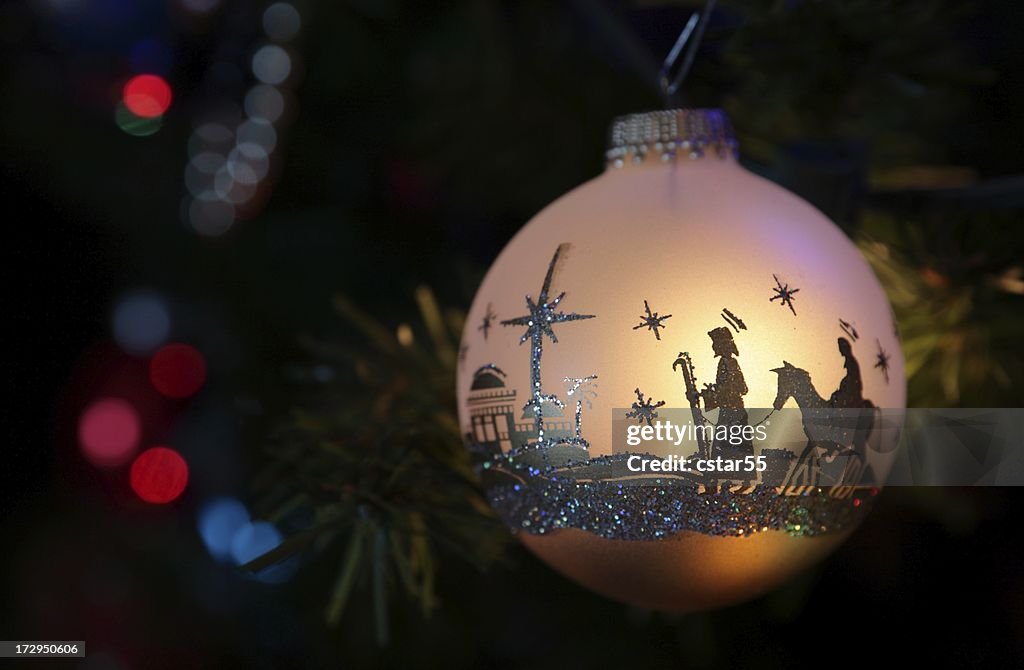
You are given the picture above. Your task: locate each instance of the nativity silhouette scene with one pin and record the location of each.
(532, 458)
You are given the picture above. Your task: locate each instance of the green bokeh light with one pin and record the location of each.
(136, 125)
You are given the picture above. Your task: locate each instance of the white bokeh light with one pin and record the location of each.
(265, 103)
(210, 215)
(281, 22)
(200, 171)
(248, 163)
(271, 64)
(257, 131)
(210, 137)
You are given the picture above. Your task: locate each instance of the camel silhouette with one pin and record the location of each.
(837, 427)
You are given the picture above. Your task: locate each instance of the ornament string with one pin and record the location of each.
(694, 29)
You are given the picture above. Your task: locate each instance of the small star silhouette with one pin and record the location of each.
(643, 410)
(489, 317)
(784, 293)
(882, 361)
(652, 321)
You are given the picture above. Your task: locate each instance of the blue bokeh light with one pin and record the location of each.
(255, 539)
(220, 520)
(142, 322)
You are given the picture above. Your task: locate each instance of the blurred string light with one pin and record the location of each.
(215, 137)
(177, 370)
(141, 322)
(281, 22)
(159, 475)
(231, 163)
(108, 432)
(134, 124)
(248, 163)
(264, 103)
(201, 170)
(271, 64)
(144, 99)
(255, 539)
(210, 214)
(146, 95)
(258, 132)
(219, 521)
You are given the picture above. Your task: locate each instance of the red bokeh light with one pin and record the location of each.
(177, 370)
(147, 96)
(159, 475)
(108, 432)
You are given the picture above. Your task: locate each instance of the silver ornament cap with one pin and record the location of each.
(670, 134)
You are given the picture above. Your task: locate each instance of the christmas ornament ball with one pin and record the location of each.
(678, 284)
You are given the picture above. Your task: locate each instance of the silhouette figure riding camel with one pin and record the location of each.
(830, 432)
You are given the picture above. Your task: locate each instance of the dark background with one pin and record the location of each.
(419, 138)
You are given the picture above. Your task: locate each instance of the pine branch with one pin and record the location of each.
(380, 451)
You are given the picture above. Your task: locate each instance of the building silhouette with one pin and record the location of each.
(493, 427)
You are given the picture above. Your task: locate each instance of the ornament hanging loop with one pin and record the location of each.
(668, 82)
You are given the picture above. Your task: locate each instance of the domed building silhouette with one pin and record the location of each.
(492, 410)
